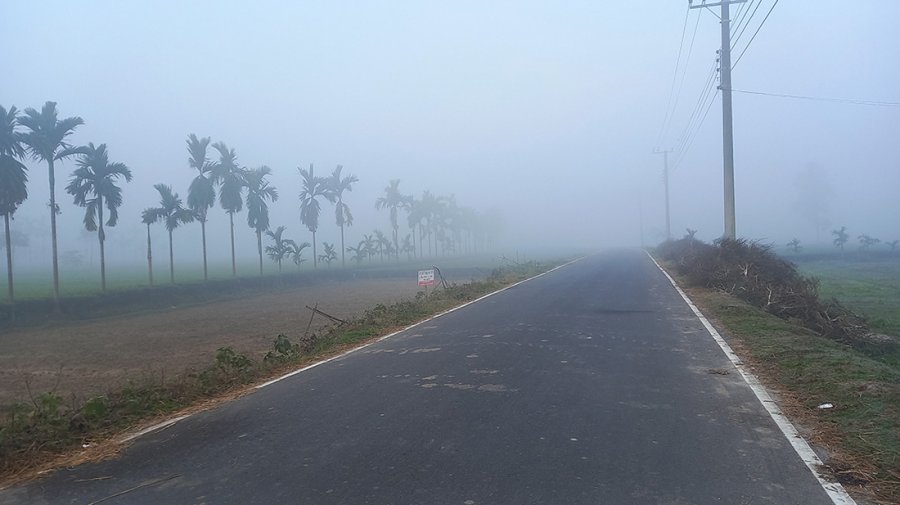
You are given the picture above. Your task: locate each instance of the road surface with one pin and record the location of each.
(593, 384)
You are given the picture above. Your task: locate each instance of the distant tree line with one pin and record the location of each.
(435, 222)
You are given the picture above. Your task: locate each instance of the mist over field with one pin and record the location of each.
(544, 113)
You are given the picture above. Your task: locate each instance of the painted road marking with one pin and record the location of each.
(835, 490)
(170, 422)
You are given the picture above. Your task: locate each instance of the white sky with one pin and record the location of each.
(548, 111)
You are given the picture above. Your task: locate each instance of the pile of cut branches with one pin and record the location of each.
(753, 273)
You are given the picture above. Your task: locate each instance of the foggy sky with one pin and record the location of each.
(548, 111)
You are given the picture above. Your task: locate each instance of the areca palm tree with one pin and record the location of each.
(281, 248)
(414, 218)
(367, 244)
(258, 192)
(393, 200)
(407, 246)
(296, 253)
(13, 183)
(202, 192)
(313, 188)
(148, 217)
(381, 241)
(358, 253)
(329, 255)
(429, 212)
(230, 178)
(337, 185)
(172, 213)
(93, 184)
(46, 141)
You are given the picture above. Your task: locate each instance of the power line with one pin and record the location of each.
(684, 67)
(853, 101)
(667, 117)
(742, 29)
(698, 106)
(741, 8)
(683, 153)
(758, 28)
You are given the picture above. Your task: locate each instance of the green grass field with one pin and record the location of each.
(871, 287)
(85, 281)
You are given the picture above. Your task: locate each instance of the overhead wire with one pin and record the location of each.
(740, 8)
(852, 101)
(698, 106)
(740, 29)
(698, 116)
(686, 63)
(758, 28)
(696, 131)
(667, 115)
(740, 15)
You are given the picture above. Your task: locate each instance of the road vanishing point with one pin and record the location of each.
(593, 384)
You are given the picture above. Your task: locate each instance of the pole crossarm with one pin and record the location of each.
(704, 4)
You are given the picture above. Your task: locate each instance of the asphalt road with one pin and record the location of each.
(593, 384)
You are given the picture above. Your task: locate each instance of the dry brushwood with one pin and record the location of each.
(752, 272)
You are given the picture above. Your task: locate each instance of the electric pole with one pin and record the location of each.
(665, 154)
(725, 86)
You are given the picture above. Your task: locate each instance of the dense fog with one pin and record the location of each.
(545, 114)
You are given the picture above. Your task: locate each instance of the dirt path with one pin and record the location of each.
(93, 357)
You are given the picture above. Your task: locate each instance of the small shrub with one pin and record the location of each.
(231, 362)
(282, 350)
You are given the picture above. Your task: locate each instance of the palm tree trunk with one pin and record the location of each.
(53, 235)
(259, 248)
(149, 256)
(342, 246)
(9, 271)
(315, 263)
(101, 238)
(171, 260)
(231, 224)
(203, 234)
(396, 244)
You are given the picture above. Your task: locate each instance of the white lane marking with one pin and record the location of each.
(155, 427)
(835, 490)
(170, 422)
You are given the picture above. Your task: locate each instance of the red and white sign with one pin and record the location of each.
(426, 277)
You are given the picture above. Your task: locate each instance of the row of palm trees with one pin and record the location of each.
(95, 185)
(44, 138)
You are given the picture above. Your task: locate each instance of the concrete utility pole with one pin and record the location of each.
(725, 86)
(665, 154)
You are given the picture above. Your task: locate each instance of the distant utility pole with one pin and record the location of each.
(725, 86)
(665, 154)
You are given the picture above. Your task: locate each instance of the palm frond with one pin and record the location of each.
(13, 184)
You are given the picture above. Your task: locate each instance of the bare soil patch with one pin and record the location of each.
(90, 358)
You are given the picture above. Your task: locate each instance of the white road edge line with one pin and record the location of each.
(835, 490)
(385, 337)
(170, 422)
(155, 427)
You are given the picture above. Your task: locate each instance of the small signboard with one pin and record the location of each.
(426, 277)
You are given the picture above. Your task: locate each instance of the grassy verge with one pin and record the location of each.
(862, 432)
(36, 434)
